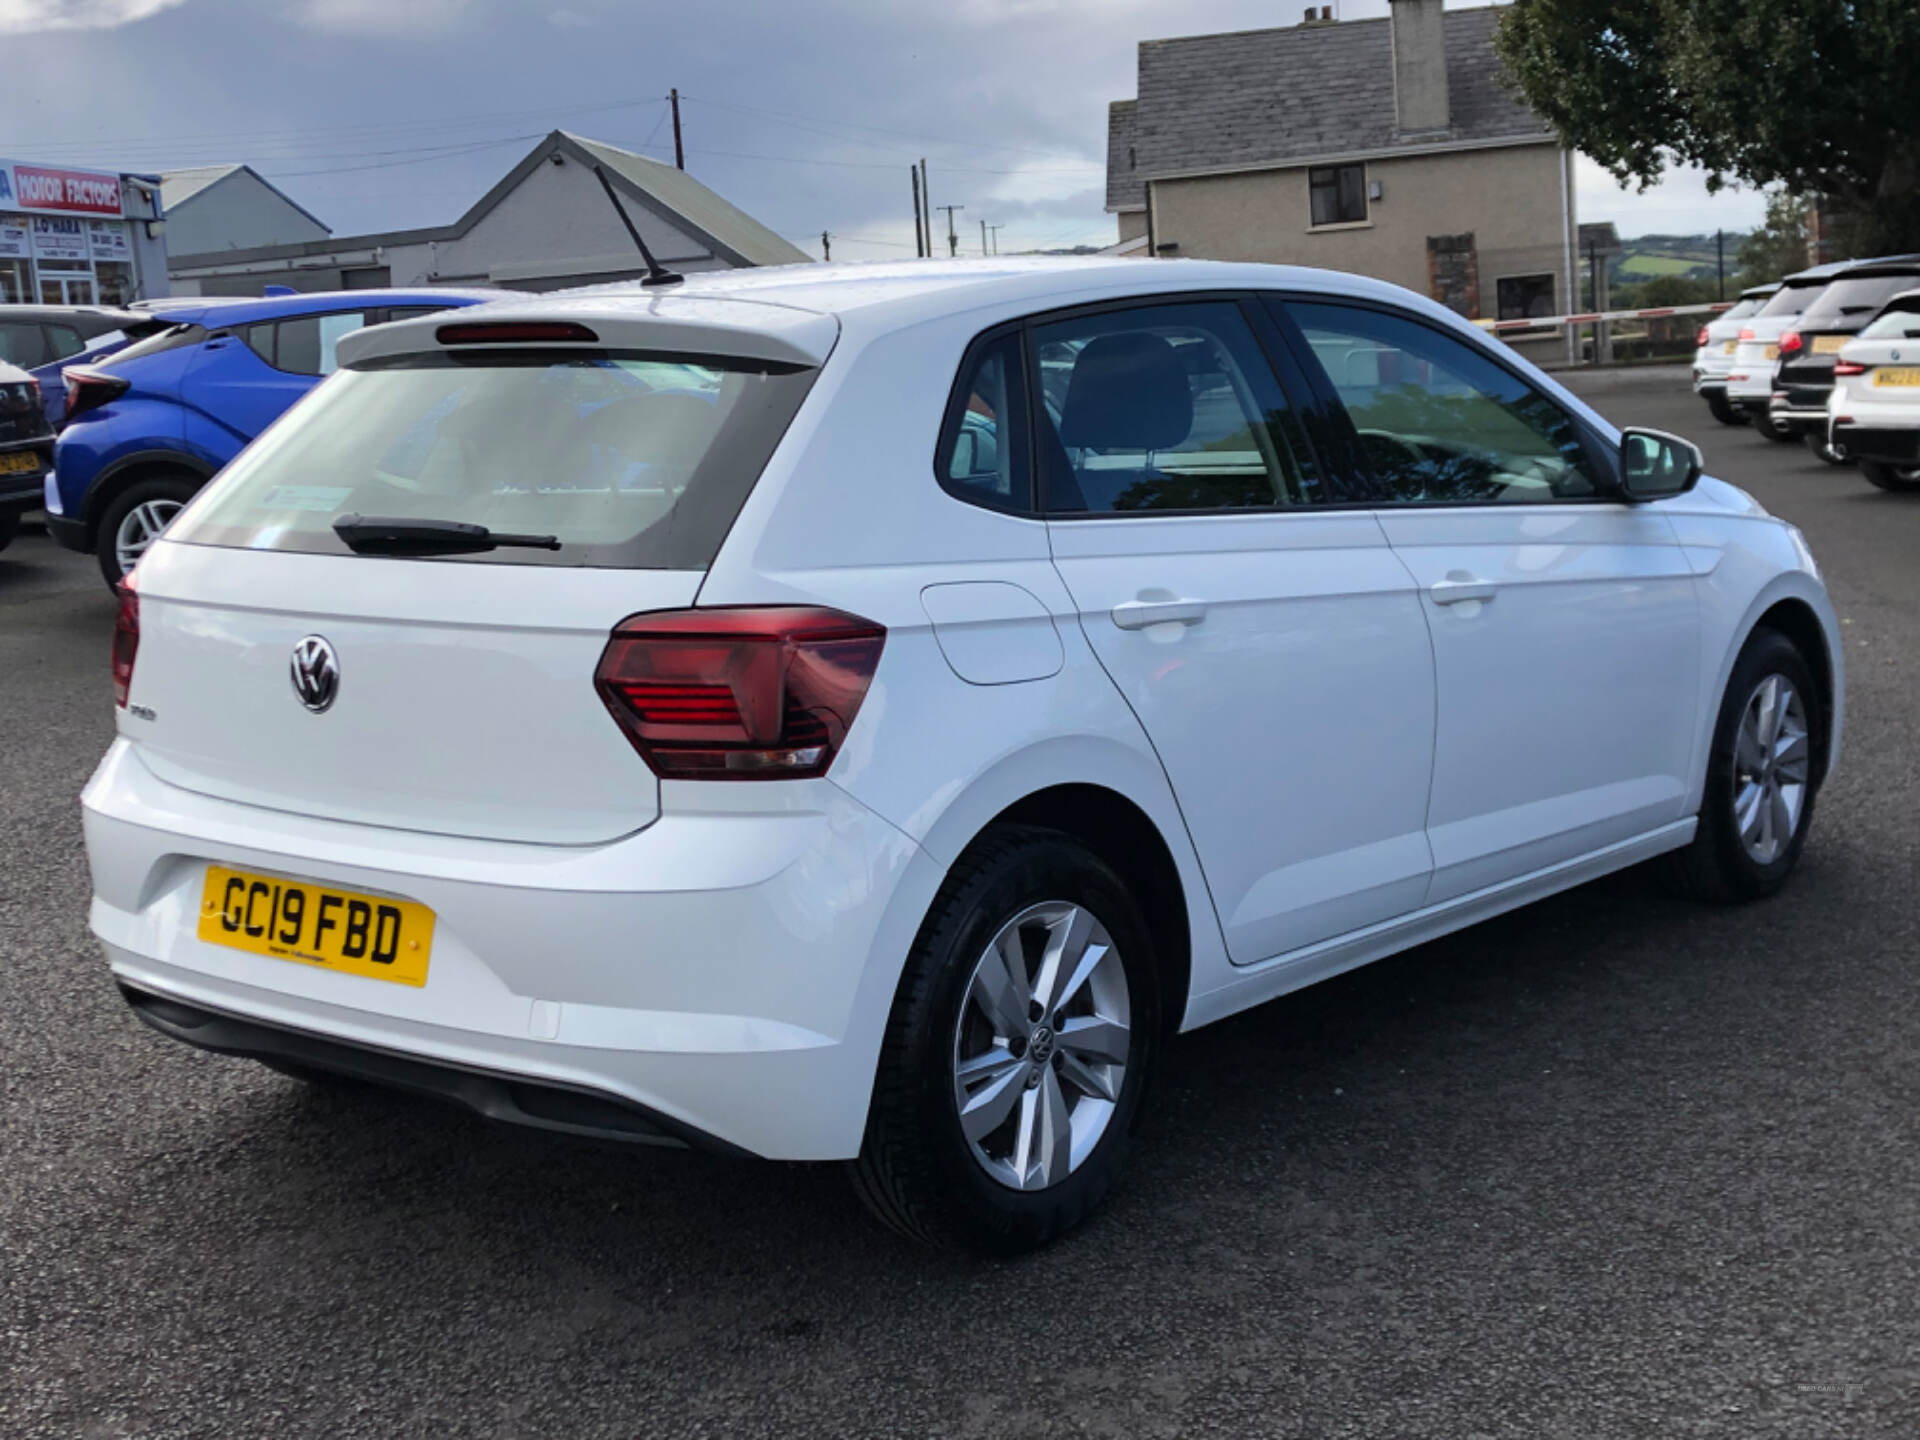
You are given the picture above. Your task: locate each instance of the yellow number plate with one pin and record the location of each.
(334, 929)
(19, 462)
(1829, 344)
(1896, 375)
(1727, 347)
(1773, 352)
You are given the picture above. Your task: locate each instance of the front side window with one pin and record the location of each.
(1437, 421)
(629, 461)
(983, 449)
(1338, 194)
(1166, 407)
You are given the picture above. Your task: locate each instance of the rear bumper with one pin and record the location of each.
(717, 978)
(24, 490)
(1873, 442)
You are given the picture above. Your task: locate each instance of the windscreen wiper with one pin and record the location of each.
(377, 535)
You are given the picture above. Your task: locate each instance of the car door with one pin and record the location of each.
(1253, 616)
(1566, 630)
(247, 376)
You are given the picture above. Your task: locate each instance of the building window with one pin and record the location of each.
(1524, 297)
(1339, 194)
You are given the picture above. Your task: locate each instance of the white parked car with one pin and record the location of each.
(1874, 409)
(856, 713)
(1757, 347)
(1714, 348)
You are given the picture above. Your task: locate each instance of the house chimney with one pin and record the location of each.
(1419, 67)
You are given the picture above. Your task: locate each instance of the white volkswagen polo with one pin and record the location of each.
(857, 713)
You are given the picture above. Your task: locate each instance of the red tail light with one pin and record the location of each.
(1848, 367)
(90, 389)
(126, 641)
(748, 694)
(1746, 334)
(1791, 343)
(1700, 340)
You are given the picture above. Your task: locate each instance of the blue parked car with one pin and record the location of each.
(153, 423)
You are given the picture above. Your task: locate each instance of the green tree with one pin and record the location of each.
(1816, 96)
(1778, 247)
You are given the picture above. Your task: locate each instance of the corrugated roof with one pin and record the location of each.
(1291, 95)
(685, 196)
(1125, 189)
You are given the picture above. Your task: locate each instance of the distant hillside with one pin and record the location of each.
(1692, 256)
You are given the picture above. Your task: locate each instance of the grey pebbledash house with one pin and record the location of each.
(1387, 147)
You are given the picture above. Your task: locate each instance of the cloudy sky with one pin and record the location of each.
(385, 114)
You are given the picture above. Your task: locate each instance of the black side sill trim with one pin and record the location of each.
(509, 1099)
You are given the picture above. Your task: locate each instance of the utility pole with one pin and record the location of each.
(983, 237)
(826, 247)
(919, 229)
(953, 239)
(995, 230)
(1720, 260)
(679, 151)
(926, 205)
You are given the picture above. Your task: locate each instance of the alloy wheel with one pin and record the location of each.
(1771, 763)
(1041, 1046)
(140, 528)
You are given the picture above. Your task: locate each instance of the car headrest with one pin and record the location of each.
(1128, 392)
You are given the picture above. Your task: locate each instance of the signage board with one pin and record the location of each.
(56, 237)
(47, 190)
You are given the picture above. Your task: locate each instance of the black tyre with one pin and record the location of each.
(1762, 777)
(135, 519)
(1772, 428)
(1816, 441)
(1021, 1041)
(1724, 410)
(9, 527)
(1902, 479)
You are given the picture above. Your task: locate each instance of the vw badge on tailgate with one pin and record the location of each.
(316, 673)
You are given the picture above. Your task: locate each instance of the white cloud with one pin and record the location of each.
(380, 17)
(24, 17)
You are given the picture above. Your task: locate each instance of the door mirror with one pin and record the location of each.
(1654, 464)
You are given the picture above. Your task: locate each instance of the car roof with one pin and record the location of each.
(1885, 265)
(245, 310)
(1756, 292)
(108, 316)
(791, 312)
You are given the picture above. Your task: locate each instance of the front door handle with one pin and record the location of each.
(1138, 614)
(1459, 586)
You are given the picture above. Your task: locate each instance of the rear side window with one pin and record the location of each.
(1165, 407)
(64, 340)
(305, 345)
(174, 337)
(983, 448)
(629, 460)
(23, 345)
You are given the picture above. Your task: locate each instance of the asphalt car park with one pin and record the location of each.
(1613, 1164)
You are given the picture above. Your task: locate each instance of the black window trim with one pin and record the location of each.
(1366, 202)
(1602, 456)
(367, 322)
(951, 418)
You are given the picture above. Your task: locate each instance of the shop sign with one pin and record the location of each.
(44, 190)
(16, 240)
(58, 238)
(107, 239)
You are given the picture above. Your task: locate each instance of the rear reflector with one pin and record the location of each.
(765, 693)
(126, 640)
(516, 332)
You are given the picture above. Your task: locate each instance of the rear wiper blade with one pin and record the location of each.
(387, 535)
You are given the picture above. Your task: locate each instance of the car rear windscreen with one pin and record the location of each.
(1857, 295)
(1791, 299)
(635, 461)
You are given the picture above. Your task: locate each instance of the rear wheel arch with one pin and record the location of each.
(1125, 837)
(117, 478)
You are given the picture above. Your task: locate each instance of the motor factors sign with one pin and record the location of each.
(40, 189)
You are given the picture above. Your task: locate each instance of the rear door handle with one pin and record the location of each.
(1138, 614)
(1460, 586)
